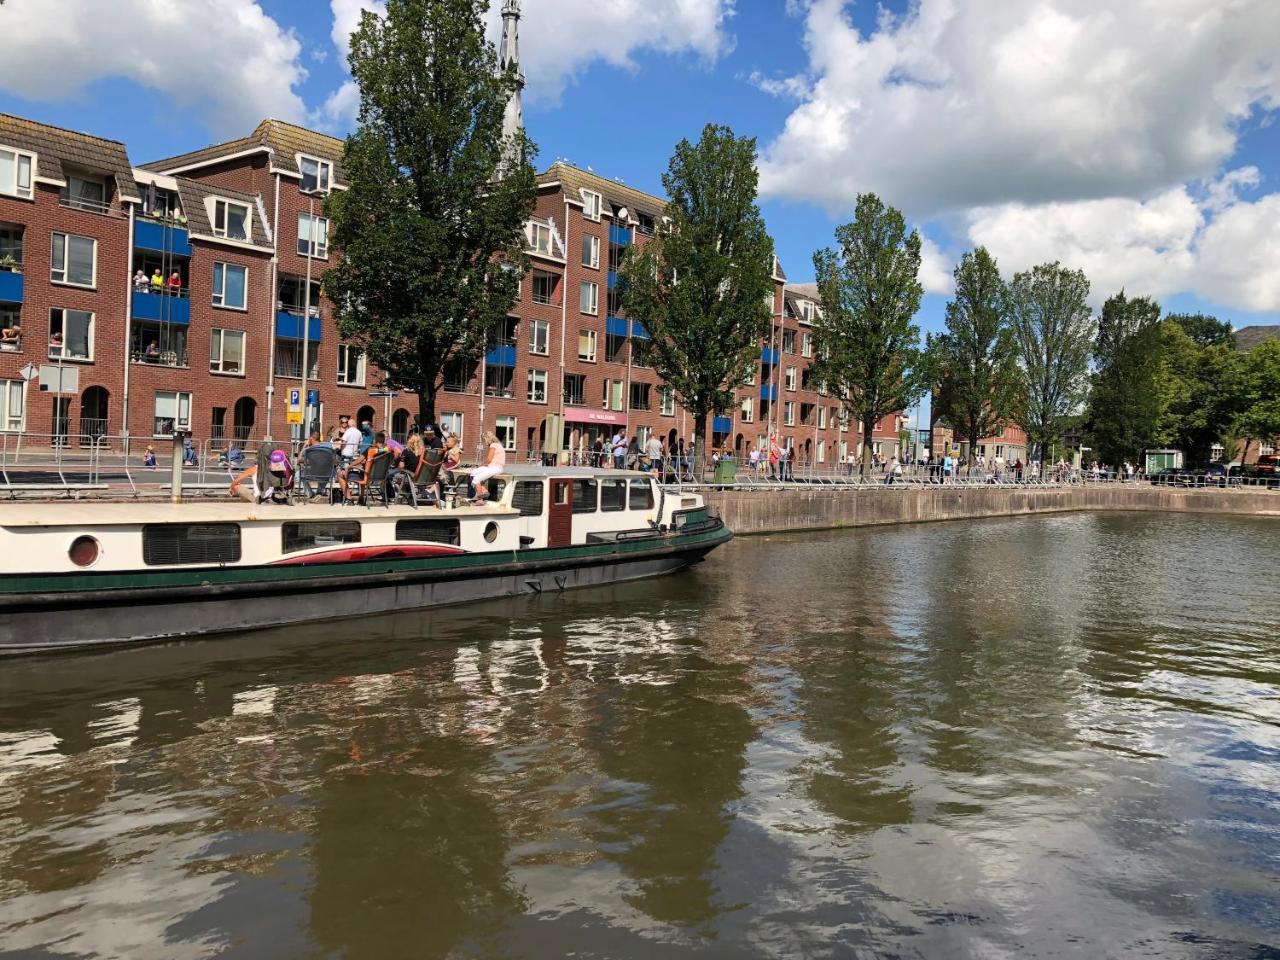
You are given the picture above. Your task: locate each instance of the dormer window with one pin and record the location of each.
(16, 169)
(231, 220)
(81, 193)
(539, 237)
(316, 174)
(591, 205)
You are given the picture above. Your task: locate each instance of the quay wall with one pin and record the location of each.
(776, 511)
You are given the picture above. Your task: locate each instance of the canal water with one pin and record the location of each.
(1052, 736)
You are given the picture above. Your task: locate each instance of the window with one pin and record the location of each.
(229, 283)
(587, 345)
(451, 424)
(316, 174)
(806, 345)
(822, 418)
(537, 386)
(575, 386)
(73, 260)
(231, 220)
(70, 334)
(822, 451)
(82, 194)
(640, 396)
(789, 413)
(843, 417)
(806, 311)
(590, 251)
(527, 498)
(15, 172)
(750, 381)
(350, 365)
(589, 297)
(667, 402)
(1266, 449)
(788, 341)
(226, 351)
(641, 495)
(318, 533)
(790, 380)
(429, 531)
(539, 337)
(613, 395)
(11, 242)
(11, 319)
(544, 288)
(584, 495)
(613, 347)
(313, 236)
(165, 544)
(173, 412)
(613, 496)
(591, 205)
(505, 428)
(12, 404)
(748, 409)
(538, 236)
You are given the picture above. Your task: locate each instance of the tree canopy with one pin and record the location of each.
(1054, 330)
(1128, 398)
(431, 236)
(974, 363)
(703, 286)
(868, 349)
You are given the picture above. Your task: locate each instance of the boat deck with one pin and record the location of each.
(71, 513)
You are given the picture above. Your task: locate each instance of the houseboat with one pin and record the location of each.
(77, 575)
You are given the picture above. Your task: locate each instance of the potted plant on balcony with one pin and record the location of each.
(9, 264)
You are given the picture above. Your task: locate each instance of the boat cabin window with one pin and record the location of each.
(528, 498)
(318, 533)
(496, 488)
(562, 494)
(430, 531)
(613, 495)
(641, 495)
(165, 544)
(584, 495)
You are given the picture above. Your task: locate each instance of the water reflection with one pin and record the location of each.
(1049, 736)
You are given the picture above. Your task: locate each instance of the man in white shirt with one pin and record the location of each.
(351, 438)
(619, 446)
(653, 450)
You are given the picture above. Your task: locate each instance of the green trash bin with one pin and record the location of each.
(726, 471)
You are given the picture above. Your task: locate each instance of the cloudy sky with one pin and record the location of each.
(1135, 140)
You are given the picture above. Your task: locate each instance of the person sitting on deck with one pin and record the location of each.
(495, 461)
(359, 469)
(271, 476)
(149, 457)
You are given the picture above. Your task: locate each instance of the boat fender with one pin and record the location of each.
(534, 585)
(560, 582)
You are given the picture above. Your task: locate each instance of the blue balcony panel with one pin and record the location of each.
(163, 238)
(638, 331)
(615, 326)
(620, 236)
(289, 326)
(769, 356)
(769, 392)
(613, 279)
(721, 424)
(161, 308)
(503, 356)
(10, 287)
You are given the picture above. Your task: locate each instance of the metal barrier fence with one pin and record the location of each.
(93, 464)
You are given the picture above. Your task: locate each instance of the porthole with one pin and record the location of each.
(84, 551)
(490, 532)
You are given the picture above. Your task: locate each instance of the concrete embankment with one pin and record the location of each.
(804, 508)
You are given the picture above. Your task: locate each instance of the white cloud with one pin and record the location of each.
(936, 269)
(1238, 261)
(228, 63)
(981, 102)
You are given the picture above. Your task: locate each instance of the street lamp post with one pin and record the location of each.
(306, 314)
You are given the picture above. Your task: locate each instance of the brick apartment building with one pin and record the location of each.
(219, 352)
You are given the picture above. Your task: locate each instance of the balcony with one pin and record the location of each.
(619, 236)
(574, 399)
(502, 355)
(161, 307)
(769, 392)
(721, 424)
(10, 286)
(289, 324)
(769, 357)
(162, 358)
(162, 236)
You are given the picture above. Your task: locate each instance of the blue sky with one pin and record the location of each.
(1140, 148)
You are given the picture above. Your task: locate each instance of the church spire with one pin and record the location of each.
(509, 60)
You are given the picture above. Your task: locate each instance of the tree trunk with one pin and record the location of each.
(697, 453)
(868, 433)
(426, 406)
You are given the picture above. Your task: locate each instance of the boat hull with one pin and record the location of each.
(41, 614)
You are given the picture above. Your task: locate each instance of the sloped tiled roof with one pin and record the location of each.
(193, 194)
(574, 179)
(283, 140)
(55, 146)
(1249, 337)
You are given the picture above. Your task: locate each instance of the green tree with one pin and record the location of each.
(974, 364)
(1201, 390)
(1127, 402)
(428, 226)
(868, 350)
(703, 286)
(1205, 331)
(1054, 329)
(1258, 417)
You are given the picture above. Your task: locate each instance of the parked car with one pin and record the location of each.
(1267, 468)
(1219, 475)
(1168, 477)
